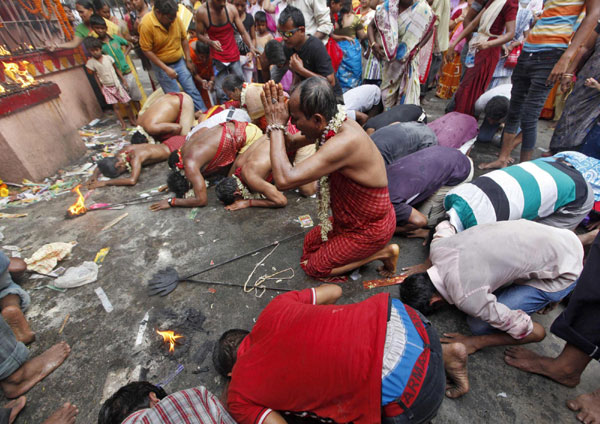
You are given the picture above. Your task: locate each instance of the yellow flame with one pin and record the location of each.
(2, 90)
(18, 75)
(169, 337)
(4, 51)
(78, 207)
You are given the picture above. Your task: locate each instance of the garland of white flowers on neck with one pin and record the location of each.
(245, 193)
(243, 95)
(125, 158)
(332, 128)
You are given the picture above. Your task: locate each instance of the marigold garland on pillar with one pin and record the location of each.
(54, 7)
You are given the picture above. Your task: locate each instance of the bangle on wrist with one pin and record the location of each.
(250, 202)
(171, 202)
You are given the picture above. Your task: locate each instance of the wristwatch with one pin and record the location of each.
(170, 201)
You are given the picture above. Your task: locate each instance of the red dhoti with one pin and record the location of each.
(476, 79)
(175, 142)
(229, 146)
(363, 220)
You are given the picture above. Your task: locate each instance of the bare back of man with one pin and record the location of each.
(169, 115)
(208, 150)
(132, 158)
(363, 217)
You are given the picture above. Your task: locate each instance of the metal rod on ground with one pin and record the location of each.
(241, 256)
(221, 283)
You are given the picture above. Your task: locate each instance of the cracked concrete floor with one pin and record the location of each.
(104, 354)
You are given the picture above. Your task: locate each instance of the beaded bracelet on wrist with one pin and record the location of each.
(276, 127)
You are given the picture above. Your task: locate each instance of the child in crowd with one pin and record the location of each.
(263, 36)
(109, 79)
(111, 45)
(204, 77)
(246, 58)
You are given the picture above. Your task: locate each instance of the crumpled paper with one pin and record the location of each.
(78, 276)
(46, 257)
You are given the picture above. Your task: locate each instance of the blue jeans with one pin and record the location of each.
(234, 68)
(529, 93)
(8, 286)
(185, 78)
(591, 142)
(13, 354)
(519, 296)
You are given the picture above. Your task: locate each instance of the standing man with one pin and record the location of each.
(547, 52)
(215, 22)
(317, 16)
(307, 56)
(352, 179)
(163, 40)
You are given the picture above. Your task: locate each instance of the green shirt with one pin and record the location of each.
(114, 50)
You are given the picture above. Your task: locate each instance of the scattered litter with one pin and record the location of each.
(56, 273)
(371, 284)
(200, 370)
(305, 221)
(114, 222)
(211, 305)
(355, 275)
(171, 376)
(12, 215)
(62, 327)
(47, 256)
(101, 255)
(212, 262)
(78, 276)
(12, 248)
(211, 290)
(192, 213)
(215, 240)
(1, 234)
(200, 233)
(502, 394)
(51, 287)
(108, 307)
(143, 324)
(93, 122)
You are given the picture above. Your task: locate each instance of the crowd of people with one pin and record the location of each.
(264, 96)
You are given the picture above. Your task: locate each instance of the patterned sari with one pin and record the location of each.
(401, 36)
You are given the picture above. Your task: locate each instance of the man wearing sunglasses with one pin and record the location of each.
(307, 55)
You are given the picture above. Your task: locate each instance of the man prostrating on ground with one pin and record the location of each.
(352, 175)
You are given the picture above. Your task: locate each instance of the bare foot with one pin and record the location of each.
(467, 341)
(15, 407)
(588, 406)
(548, 308)
(497, 164)
(526, 360)
(18, 324)
(455, 363)
(65, 415)
(392, 251)
(34, 370)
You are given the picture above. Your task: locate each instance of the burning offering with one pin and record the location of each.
(77, 208)
(170, 337)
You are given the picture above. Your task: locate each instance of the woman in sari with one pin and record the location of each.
(496, 17)
(399, 29)
(582, 109)
(347, 33)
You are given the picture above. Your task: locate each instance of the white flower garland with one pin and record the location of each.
(142, 131)
(324, 200)
(123, 157)
(243, 95)
(246, 194)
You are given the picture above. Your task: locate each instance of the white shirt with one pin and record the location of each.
(316, 15)
(362, 98)
(239, 115)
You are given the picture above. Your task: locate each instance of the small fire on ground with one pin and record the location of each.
(77, 208)
(170, 337)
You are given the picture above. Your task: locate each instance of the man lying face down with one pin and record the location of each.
(142, 402)
(302, 358)
(207, 151)
(131, 159)
(170, 114)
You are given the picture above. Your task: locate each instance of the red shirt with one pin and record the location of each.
(507, 14)
(322, 360)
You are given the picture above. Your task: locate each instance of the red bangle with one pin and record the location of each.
(250, 202)
(173, 201)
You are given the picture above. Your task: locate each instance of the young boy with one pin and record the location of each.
(263, 36)
(247, 58)
(105, 71)
(204, 78)
(111, 45)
